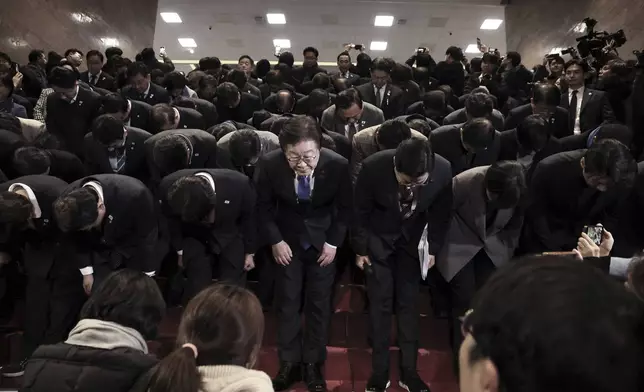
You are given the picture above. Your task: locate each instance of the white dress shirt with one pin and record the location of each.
(30, 194)
(580, 97)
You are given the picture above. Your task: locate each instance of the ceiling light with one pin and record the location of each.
(187, 42)
(491, 24)
(110, 41)
(378, 45)
(170, 17)
(383, 21)
(81, 17)
(276, 18)
(282, 43)
(472, 48)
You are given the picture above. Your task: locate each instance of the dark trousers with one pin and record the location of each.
(396, 277)
(463, 287)
(295, 345)
(199, 261)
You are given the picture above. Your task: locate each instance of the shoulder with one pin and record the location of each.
(371, 108)
(520, 110)
(378, 160)
(70, 354)
(556, 161)
(333, 157)
(140, 105)
(138, 133)
(444, 131)
(188, 111)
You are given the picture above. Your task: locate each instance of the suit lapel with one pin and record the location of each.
(320, 176)
(565, 103)
(588, 95)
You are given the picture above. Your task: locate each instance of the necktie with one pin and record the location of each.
(572, 113)
(93, 80)
(352, 131)
(117, 158)
(303, 188)
(378, 97)
(406, 199)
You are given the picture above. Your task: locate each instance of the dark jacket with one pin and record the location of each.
(97, 159)
(65, 165)
(105, 81)
(248, 105)
(68, 368)
(140, 115)
(558, 122)
(459, 116)
(595, 110)
(509, 150)
(34, 80)
(446, 141)
(393, 102)
(157, 94)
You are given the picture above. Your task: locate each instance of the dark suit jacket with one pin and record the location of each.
(378, 222)
(190, 119)
(446, 142)
(97, 159)
(129, 230)
(411, 92)
(305, 74)
(248, 105)
(9, 143)
(140, 115)
(393, 103)
(207, 110)
(234, 211)
(322, 220)
(595, 110)
(105, 81)
(351, 78)
(65, 165)
(459, 116)
(509, 150)
(558, 122)
(34, 80)
(157, 94)
(493, 84)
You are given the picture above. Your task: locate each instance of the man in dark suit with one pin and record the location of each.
(587, 108)
(9, 142)
(94, 75)
(380, 92)
(165, 117)
(545, 101)
(206, 108)
(111, 223)
(344, 69)
(573, 189)
(477, 105)
(53, 292)
(133, 113)
(112, 147)
(398, 193)
(311, 188)
(210, 218)
(351, 114)
(56, 163)
(142, 89)
(309, 68)
(70, 110)
(234, 105)
(475, 143)
(488, 77)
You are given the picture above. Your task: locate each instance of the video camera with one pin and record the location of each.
(640, 58)
(596, 47)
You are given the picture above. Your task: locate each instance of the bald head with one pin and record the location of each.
(285, 101)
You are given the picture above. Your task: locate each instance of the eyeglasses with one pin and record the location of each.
(298, 159)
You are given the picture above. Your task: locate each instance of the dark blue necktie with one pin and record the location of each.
(303, 187)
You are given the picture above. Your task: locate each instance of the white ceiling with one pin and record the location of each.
(229, 29)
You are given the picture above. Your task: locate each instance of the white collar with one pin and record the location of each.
(177, 117)
(579, 90)
(383, 88)
(147, 90)
(76, 95)
(97, 76)
(30, 194)
(208, 178)
(96, 187)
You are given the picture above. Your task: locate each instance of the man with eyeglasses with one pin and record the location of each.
(304, 206)
(381, 92)
(398, 193)
(111, 147)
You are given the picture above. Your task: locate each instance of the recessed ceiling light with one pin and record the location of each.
(491, 24)
(81, 17)
(282, 43)
(110, 41)
(276, 18)
(187, 42)
(383, 21)
(170, 17)
(472, 48)
(378, 45)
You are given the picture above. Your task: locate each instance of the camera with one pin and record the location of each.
(640, 58)
(596, 46)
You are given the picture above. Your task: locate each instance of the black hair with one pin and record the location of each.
(174, 80)
(273, 78)
(147, 54)
(94, 52)
(506, 181)
(286, 58)
(106, 129)
(76, 210)
(262, 68)
(620, 132)
(414, 157)
(392, 132)
(311, 49)
(419, 124)
(547, 321)
(35, 54)
(171, 153)
(15, 210)
(245, 56)
(11, 123)
(244, 145)
(113, 103)
(209, 64)
(191, 198)
(382, 64)
(345, 53)
(584, 65)
(298, 129)
(515, 58)
(162, 114)
(557, 59)
(238, 78)
(321, 80)
(137, 68)
(113, 51)
(128, 298)
(401, 73)
(31, 160)
(478, 133)
(547, 94)
(319, 97)
(612, 159)
(479, 105)
(227, 94)
(6, 57)
(435, 100)
(455, 52)
(72, 51)
(62, 77)
(533, 132)
(347, 98)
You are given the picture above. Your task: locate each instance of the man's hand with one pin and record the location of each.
(282, 253)
(586, 246)
(88, 282)
(607, 244)
(361, 261)
(327, 256)
(17, 80)
(249, 262)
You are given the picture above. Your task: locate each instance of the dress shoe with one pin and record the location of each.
(289, 374)
(378, 382)
(313, 378)
(412, 382)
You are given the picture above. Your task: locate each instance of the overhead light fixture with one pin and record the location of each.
(80, 17)
(378, 45)
(383, 21)
(491, 24)
(282, 43)
(276, 18)
(110, 41)
(187, 42)
(472, 48)
(171, 17)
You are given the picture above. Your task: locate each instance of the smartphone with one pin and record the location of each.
(162, 50)
(421, 50)
(595, 233)
(478, 42)
(357, 47)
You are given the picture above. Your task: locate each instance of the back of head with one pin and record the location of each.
(162, 115)
(319, 97)
(285, 100)
(191, 198)
(391, 133)
(620, 132)
(401, 73)
(76, 210)
(299, 129)
(414, 157)
(514, 57)
(171, 153)
(455, 52)
(244, 146)
(479, 105)
(551, 324)
(481, 90)
(505, 184)
(419, 124)
(321, 80)
(113, 103)
(15, 211)
(10, 123)
(435, 100)
(128, 298)
(286, 58)
(107, 129)
(31, 160)
(347, 98)
(273, 78)
(209, 64)
(148, 55)
(62, 77)
(225, 325)
(533, 133)
(546, 94)
(237, 77)
(610, 159)
(113, 51)
(227, 94)
(174, 80)
(478, 134)
(262, 67)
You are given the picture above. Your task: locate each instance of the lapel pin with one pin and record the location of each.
(151, 95)
(110, 218)
(46, 220)
(80, 103)
(226, 201)
(197, 154)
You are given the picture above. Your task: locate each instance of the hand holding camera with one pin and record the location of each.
(595, 241)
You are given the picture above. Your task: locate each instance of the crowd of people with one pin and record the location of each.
(442, 171)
